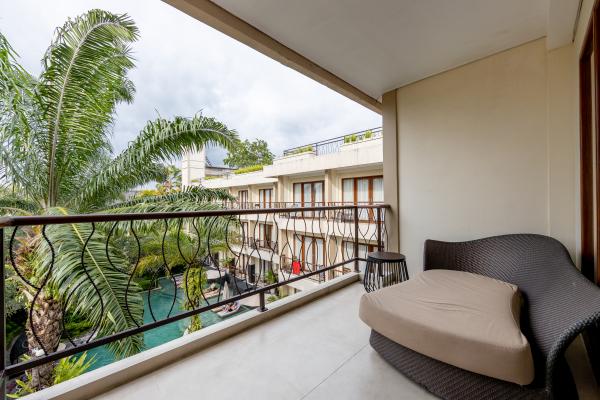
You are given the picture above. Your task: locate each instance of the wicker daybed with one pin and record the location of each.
(558, 304)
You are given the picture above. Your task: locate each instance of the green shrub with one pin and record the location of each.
(270, 277)
(65, 369)
(272, 298)
(246, 170)
(368, 134)
(78, 328)
(228, 262)
(210, 178)
(145, 283)
(300, 150)
(71, 367)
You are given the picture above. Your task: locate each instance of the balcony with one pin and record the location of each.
(317, 351)
(224, 296)
(335, 145)
(363, 148)
(262, 244)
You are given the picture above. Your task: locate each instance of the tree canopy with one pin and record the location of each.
(248, 153)
(56, 158)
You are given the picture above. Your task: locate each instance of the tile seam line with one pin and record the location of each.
(334, 371)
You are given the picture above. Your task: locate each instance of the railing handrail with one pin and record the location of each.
(14, 370)
(12, 221)
(332, 140)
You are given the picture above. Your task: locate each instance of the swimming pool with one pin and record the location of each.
(161, 300)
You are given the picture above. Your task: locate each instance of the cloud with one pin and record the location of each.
(184, 66)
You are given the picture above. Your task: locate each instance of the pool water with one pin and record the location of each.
(161, 301)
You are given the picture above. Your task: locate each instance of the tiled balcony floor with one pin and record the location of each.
(317, 351)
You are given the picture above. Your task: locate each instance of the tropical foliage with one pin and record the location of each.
(245, 170)
(65, 369)
(301, 150)
(246, 154)
(172, 182)
(56, 158)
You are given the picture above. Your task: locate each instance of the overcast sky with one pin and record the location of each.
(184, 66)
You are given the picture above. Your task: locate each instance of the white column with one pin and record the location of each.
(390, 168)
(193, 168)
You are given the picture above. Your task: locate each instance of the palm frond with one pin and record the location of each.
(83, 80)
(105, 300)
(18, 116)
(96, 199)
(160, 141)
(189, 199)
(15, 82)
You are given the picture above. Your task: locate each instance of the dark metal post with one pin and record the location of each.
(262, 307)
(356, 238)
(379, 240)
(2, 319)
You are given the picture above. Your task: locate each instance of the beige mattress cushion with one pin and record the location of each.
(463, 319)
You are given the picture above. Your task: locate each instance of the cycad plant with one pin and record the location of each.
(56, 158)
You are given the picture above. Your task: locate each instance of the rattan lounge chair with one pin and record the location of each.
(559, 304)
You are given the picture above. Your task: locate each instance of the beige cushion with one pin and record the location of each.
(463, 319)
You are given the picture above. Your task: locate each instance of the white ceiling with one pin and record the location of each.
(380, 45)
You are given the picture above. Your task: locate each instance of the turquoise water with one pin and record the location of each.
(161, 301)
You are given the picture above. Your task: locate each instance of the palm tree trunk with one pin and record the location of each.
(45, 321)
(46, 313)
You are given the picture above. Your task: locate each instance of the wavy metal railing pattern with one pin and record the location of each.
(198, 237)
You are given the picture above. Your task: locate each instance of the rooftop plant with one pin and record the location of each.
(357, 138)
(300, 150)
(246, 170)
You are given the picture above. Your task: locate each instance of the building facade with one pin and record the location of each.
(343, 170)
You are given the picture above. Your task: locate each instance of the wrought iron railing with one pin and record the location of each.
(262, 244)
(114, 244)
(334, 145)
(367, 213)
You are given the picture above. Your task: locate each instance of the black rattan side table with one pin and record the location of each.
(383, 269)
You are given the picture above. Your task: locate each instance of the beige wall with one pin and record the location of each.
(563, 147)
(489, 148)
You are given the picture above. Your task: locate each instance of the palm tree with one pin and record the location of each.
(172, 181)
(56, 158)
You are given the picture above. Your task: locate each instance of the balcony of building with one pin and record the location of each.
(221, 286)
(362, 148)
(317, 351)
(489, 146)
(358, 149)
